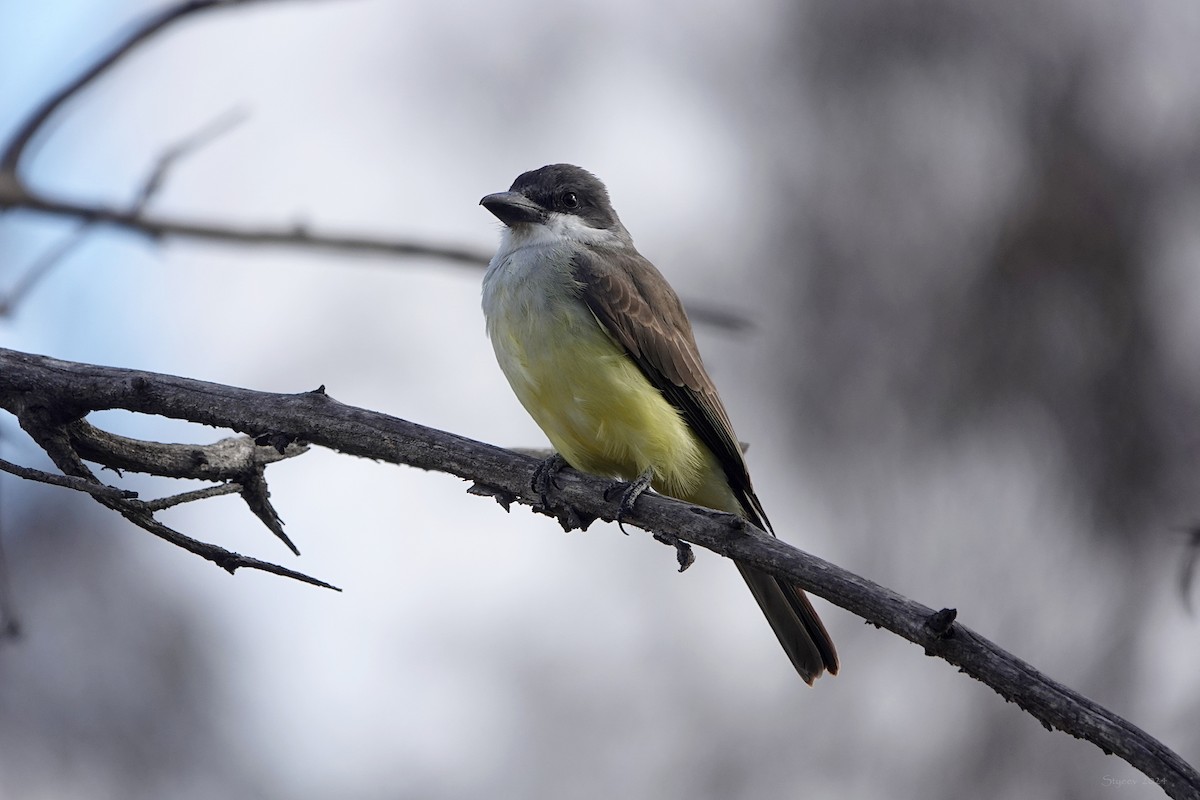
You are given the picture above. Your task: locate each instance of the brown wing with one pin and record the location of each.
(638, 308)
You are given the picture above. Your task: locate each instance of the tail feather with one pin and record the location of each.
(795, 623)
(785, 605)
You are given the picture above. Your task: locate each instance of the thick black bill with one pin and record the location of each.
(513, 208)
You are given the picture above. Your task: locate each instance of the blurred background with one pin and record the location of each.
(966, 234)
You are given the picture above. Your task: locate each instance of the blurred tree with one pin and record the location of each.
(109, 693)
(979, 247)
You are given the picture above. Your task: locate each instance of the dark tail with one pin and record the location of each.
(785, 605)
(795, 623)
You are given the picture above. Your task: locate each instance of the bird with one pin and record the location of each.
(597, 347)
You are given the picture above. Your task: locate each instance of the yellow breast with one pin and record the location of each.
(594, 404)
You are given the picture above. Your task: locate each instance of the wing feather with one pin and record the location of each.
(633, 302)
(639, 309)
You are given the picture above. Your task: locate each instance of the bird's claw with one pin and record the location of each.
(544, 475)
(545, 483)
(630, 491)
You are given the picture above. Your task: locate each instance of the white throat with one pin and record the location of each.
(559, 230)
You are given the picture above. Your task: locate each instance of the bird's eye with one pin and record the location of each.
(569, 200)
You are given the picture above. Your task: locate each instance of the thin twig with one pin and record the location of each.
(41, 268)
(150, 187)
(10, 157)
(171, 501)
(41, 422)
(298, 235)
(78, 484)
(181, 150)
(225, 559)
(238, 460)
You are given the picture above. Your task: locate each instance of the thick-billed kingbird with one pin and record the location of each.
(597, 347)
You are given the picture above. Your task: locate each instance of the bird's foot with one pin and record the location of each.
(630, 491)
(544, 483)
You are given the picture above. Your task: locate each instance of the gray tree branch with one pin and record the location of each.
(49, 424)
(63, 392)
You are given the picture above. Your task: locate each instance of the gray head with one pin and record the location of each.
(557, 189)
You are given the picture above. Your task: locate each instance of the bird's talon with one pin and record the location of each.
(630, 492)
(544, 477)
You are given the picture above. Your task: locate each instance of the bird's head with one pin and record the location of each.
(560, 200)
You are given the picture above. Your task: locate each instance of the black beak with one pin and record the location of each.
(513, 208)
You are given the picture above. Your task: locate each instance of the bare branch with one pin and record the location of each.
(300, 236)
(94, 488)
(189, 497)
(150, 187)
(47, 425)
(230, 459)
(41, 267)
(72, 388)
(14, 193)
(238, 459)
(157, 228)
(10, 157)
(181, 150)
(10, 181)
(234, 457)
(258, 498)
